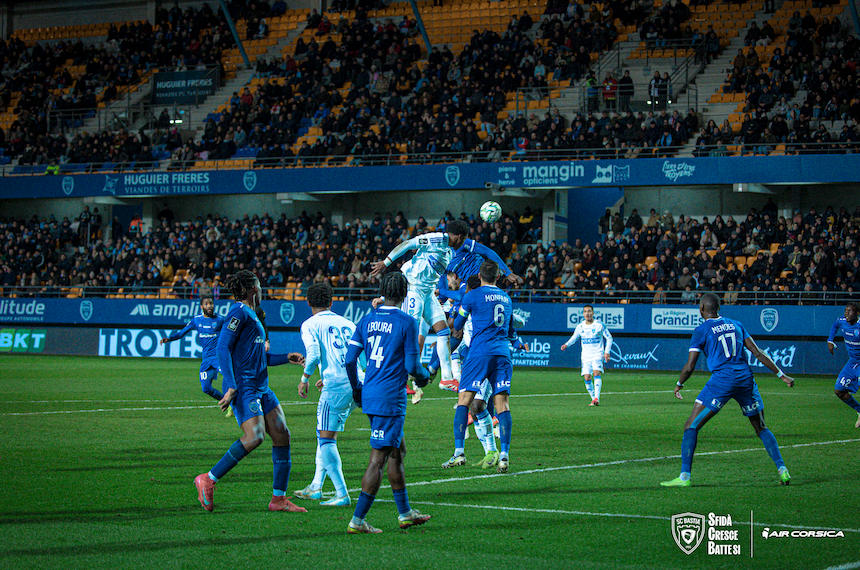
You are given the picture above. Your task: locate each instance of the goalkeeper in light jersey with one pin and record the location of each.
(592, 333)
(432, 254)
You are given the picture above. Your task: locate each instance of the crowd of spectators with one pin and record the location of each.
(45, 255)
(808, 258)
(51, 97)
(820, 60)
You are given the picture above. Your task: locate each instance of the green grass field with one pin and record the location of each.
(99, 455)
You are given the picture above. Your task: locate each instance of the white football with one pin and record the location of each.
(491, 212)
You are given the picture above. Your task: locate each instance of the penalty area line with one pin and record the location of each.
(140, 409)
(619, 516)
(848, 566)
(607, 464)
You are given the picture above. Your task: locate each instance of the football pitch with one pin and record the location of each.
(99, 455)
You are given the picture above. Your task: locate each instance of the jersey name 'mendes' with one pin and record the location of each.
(494, 297)
(723, 327)
(377, 326)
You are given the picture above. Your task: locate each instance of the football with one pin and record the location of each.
(491, 212)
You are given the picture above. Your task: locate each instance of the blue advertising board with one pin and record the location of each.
(628, 353)
(549, 174)
(658, 320)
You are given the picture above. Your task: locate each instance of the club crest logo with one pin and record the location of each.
(769, 319)
(611, 174)
(287, 312)
(110, 184)
(86, 310)
(452, 175)
(249, 180)
(68, 185)
(688, 530)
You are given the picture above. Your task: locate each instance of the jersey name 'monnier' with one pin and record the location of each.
(492, 330)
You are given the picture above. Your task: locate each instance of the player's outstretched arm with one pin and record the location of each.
(686, 372)
(750, 344)
(180, 333)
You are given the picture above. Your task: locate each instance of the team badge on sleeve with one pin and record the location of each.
(234, 324)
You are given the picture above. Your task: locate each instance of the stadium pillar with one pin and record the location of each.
(233, 31)
(6, 26)
(853, 6)
(420, 21)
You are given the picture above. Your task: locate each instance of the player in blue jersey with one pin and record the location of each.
(466, 261)
(489, 358)
(243, 361)
(389, 338)
(723, 341)
(207, 325)
(847, 381)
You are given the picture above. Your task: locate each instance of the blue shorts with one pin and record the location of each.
(715, 395)
(250, 403)
(208, 376)
(386, 431)
(847, 379)
(497, 370)
(333, 409)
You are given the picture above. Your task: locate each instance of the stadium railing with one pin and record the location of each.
(398, 158)
(293, 292)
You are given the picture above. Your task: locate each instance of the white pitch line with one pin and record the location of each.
(606, 464)
(427, 399)
(621, 515)
(848, 566)
(142, 409)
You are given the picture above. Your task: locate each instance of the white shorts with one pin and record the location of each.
(592, 366)
(422, 305)
(333, 409)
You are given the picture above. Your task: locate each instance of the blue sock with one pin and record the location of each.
(233, 456)
(461, 416)
(772, 447)
(688, 448)
(332, 463)
(434, 360)
(281, 463)
(455, 342)
(363, 505)
(505, 424)
(401, 499)
(853, 403)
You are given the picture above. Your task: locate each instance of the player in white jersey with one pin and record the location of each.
(592, 334)
(326, 336)
(432, 255)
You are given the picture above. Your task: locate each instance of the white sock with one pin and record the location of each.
(598, 384)
(455, 368)
(334, 467)
(320, 473)
(443, 349)
(589, 385)
(484, 431)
